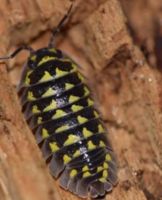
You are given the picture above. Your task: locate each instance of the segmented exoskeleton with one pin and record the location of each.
(60, 111)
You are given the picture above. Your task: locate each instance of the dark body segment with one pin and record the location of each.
(58, 108)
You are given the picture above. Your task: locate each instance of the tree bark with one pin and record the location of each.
(125, 82)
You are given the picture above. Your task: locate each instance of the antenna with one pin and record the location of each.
(59, 26)
(18, 50)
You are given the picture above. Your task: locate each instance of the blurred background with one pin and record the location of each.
(118, 44)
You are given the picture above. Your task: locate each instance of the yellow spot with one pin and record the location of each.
(103, 180)
(33, 58)
(73, 70)
(85, 168)
(102, 144)
(73, 173)
(105, 173)
(86, 174)
(60, 73)
(105, 165)
(90, 102)
(80, 77)
(86, 91)
(27, 79)
(45, 59)
(66, 159)
(71, 139)
(91, 145)
(81, 119)
(30, 96)
(62, 128)
(45, 133)
(39, 120)
(53, 50)
(59, 113)
(108, 157)
(66, 60)
(51, 106)
(68, 86)
(46, 77)
(73, 98)
(74, 66)
(99, 169)
(100, 128)
(87, 133)
(49, 92)
(35, 109)
(76, 108)
(53, 146)
(96, 114)
(76, 154)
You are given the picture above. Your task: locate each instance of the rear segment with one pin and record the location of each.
(58, 108)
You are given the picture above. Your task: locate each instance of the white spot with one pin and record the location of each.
(142, 77)
(114, 110)
(150, 80)
(3, 155)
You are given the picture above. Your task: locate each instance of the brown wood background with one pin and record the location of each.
(121, 56)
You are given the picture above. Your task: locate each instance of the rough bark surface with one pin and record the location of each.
(125, 82)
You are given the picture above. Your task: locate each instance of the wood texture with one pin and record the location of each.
(128, 90)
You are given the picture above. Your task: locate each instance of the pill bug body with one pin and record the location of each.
(59, 109)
